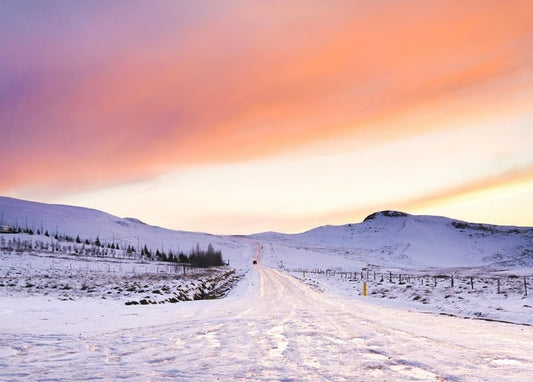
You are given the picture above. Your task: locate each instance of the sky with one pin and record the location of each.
(236, 117)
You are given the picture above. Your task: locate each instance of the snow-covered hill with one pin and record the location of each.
(391, 238)
(384, 239)
(91, 224)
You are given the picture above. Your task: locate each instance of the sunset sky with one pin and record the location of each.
(248, 116)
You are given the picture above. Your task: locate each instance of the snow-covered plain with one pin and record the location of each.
(297, 315)
(271, 327)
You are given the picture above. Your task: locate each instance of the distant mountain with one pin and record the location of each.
(393, 238)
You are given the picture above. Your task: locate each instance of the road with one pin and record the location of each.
(273, 327)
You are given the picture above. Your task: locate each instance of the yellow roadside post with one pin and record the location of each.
(364, 289)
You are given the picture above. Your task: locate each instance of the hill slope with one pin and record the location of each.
(386, 238)
(90, 224)
(391, 238)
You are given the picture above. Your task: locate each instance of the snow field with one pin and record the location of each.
(339, 271)
(72, 277)
(270, 327)
(421, 293)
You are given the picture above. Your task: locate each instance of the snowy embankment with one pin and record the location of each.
(70, 278)
(435, 294)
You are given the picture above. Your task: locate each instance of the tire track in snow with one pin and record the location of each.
(277, 328)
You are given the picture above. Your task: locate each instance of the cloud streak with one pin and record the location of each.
(110, 93)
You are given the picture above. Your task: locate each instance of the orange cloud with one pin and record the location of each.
(252, 80)
(511, 178)
(419, 205)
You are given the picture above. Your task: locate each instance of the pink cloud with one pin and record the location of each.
(135, 91)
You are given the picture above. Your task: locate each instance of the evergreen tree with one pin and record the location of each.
(146, 252)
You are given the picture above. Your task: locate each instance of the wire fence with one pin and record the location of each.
(32, 263)
(499, 284)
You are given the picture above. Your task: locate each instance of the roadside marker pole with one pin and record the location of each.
(364, 289)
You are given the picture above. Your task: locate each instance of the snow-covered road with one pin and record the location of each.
(271, 327)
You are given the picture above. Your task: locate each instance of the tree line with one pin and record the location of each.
(195, 257)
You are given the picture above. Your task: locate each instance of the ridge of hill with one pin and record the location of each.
(385, 238)
(393, 238)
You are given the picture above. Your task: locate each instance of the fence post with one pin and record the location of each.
(472, 282)
(498, 285)
(452, 281)
(525, 285)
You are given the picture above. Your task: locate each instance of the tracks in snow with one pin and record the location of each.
(273, 327)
